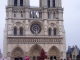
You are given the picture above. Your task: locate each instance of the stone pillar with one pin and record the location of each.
(45, 14)
(51, 15)
(45, 27)
(52, 32)
(12, 2)
(27, 27)
(51, 3)
(35, 14)
(27, 13)
(60, 15)
(43, 3)
(10, 13)
(56, 3)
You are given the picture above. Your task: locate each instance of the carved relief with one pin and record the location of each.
(52, 24)
(18, 24)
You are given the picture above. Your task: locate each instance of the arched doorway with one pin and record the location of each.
(54, 53)
(34, 52)
(17, 54)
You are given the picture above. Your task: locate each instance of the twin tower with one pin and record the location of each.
(42, 3)
(29, 29)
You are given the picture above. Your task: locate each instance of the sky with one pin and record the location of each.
(71, 20)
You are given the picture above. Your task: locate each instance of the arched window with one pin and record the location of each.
(21, 2)
(53, 3)
(49, 31)
(48, 3)
(15, 31)
(21, 31)
(55, 31)
(15, 2)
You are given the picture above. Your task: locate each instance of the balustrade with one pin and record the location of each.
(34, 40)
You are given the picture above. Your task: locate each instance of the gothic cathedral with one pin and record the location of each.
(29, 29)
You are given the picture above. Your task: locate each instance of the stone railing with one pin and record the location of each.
(34, 39)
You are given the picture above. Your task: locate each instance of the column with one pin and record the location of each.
(45, 27)
(32, 14)
(27, 22)
(52, 32)
(40, 14)
(10, 13)
(51, 15)
(35, 14)
(27, 27)
(60, 15)
(27, 13)
(45, 3)
(56, 3)
(45, 14)
(51, 3)
(12, 2)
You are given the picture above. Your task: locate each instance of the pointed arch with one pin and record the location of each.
(35, 49)
(18, 25)
(17, 52)
(54, 53)
(21, 31)
(15, 31)
(49, 31)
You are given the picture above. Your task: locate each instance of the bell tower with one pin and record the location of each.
(15, 12)
(18, 3)
(50, 3)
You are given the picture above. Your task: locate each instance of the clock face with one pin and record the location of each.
(35, 28)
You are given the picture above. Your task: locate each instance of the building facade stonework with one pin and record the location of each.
(29, 29)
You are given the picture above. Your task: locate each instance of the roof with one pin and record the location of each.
(71, 49)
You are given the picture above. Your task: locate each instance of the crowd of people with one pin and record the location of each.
(20, 58)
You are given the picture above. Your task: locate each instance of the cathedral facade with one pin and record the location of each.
(29, 29)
